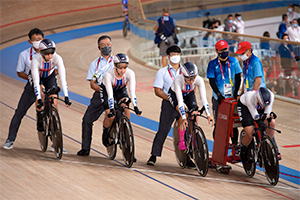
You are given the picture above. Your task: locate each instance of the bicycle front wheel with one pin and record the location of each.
(43, 135)
(56, 133)
(127, 141)
(200, 151)
(270, 160)
(112, 149)
(181, 156)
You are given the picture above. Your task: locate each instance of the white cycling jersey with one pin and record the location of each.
(181, 88)
(42, 69)
(111, 83)
(250, 100)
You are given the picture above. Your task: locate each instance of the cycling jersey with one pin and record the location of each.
(112, 83)
(249, 99)
(181, 88)
(42, 69)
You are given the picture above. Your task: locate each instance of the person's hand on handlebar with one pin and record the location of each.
(111, 113)
(67, 101)
(39, 104)
(137, 111)
(210, 120)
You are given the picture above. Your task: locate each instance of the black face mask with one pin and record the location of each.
(223, 55)
(106, 51)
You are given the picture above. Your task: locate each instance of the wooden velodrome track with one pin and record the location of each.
(28, 173)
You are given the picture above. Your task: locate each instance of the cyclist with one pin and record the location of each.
(42, 70)
(255, 105)
(114, 88)
(181, 95)
(125, 7)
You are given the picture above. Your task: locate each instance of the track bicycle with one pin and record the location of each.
(51, 123)
(126, 27)
(196, 144)
(120, 133)
(262, 151)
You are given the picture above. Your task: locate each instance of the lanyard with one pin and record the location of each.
(171, 73)
(223, 77)
(246, 76)
(99, 62)
(30, 53)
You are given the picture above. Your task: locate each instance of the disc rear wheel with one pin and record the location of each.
(250, 164)
(43, 135)
(56, 134)
(181, 156)
(112, 149)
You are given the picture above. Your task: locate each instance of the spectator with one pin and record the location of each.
(286, 59)
(271, 84)
(294, 31)
(165, 34)
(239, 23)
(264, 44)
(283, 26)
(193, 44)
(230, 27)
(291, 14)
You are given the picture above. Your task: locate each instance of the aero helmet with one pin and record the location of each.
(263, 96)
(46, 47)
(189, 69)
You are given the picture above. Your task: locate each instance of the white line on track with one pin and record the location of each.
(171, 173)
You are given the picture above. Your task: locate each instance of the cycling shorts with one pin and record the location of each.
(189, 100)
(49, 82)
(118, 95)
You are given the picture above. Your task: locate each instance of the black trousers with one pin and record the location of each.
(25, 102)
(167, 115)
(93, 112)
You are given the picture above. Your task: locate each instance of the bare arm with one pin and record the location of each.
(94, 86)
(257, 83)
(158, 92)
(22, 75)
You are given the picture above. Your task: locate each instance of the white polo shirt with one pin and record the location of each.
(294, 33)
(24, 62)
(164, 78)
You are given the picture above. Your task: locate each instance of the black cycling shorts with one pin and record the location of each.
(118, 95)
(49, 82)
(189, 100)
(245, 115)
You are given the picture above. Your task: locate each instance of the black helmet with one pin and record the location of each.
(121, 58)
(263, 96)
(46, 47)
(189, 69)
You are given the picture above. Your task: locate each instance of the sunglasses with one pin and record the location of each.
(189, 78)
(47, 52)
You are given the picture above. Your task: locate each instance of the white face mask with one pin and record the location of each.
(175, 59)
(244, 57)
(36, 44)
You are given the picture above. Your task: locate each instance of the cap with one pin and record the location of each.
(222, 44)
(243, 46)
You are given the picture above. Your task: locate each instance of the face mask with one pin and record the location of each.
(230, 21)
(239, 18)
(35, 44)
(175, 59)
(295, 25)
(106, 51)
(289, 9)
(194, 42)
(223, 55)
(244, 57)
(286, 39)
